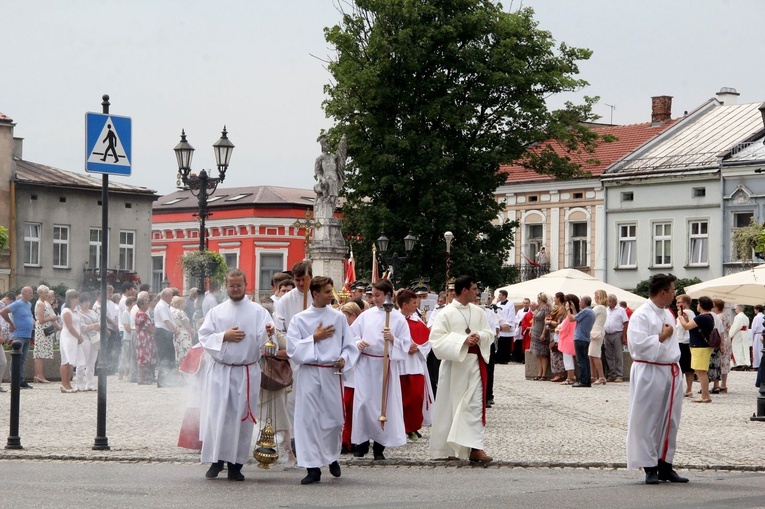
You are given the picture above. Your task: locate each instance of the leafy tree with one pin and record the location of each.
(3, 237)
(210, 263)
(680, 284)
(433, 96)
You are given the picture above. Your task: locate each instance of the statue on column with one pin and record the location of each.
(329, 172)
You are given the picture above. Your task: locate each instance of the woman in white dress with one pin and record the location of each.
(71, 337)
(44, 317)
(89, 348)
(182, 338)
(597, 335)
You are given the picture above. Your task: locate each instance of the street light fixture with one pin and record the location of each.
(203, 185)
(448, 236)
(396, 262)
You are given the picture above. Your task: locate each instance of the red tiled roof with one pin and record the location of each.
(630, 137)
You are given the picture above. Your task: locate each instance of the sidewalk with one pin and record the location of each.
(534, 424)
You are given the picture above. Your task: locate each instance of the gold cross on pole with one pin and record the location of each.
(310, 224)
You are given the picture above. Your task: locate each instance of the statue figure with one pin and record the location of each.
(329, 172)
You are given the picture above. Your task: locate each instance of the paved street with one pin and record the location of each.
(531, 424)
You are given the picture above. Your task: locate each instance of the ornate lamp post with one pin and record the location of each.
(396, 261)
(448, 236)
(203, 185)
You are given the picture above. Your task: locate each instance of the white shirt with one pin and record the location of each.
(615, 320)
(161, 314)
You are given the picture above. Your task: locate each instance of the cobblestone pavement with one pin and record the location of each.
(531, 424)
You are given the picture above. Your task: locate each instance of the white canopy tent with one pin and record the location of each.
(745, 287)
(566, 281)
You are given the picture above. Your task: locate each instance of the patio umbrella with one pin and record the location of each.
(567, 281)
(745, 287)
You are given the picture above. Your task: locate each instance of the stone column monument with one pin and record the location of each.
(328, 247)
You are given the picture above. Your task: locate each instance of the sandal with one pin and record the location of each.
(542, 378)
(558, 378)
(724, 390)
(701, 400)
(688, 394)
(599, 381)
(536, 378)
(569, 381)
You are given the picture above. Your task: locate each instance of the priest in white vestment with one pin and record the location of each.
(232, 334)
(656, 385)
(740, 341)
(320, 341)
(758, 325)
(368, 376)
(461, 337)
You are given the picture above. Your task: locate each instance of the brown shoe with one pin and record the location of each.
(478, 456)
(618, 380)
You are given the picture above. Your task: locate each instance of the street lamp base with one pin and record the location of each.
(13, 443)
(101, 444)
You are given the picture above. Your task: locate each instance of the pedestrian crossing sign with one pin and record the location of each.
(108, 144)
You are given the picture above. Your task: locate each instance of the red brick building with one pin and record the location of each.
(251, 227)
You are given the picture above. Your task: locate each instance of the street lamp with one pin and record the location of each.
(203, 185)
(449, 237)
(396, 261)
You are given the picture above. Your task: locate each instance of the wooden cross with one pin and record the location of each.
(310, 224)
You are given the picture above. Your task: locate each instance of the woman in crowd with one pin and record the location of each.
(540, 337)
(566, 340)
(556, 356)
(725, 347)
(700, 327)
(71, 338)
(45, 331)
(91, 325)
(182, 338)
(145, 350)
(351, 310)
(597, 335)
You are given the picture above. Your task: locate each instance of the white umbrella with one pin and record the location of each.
(567, 281)
(745, 287)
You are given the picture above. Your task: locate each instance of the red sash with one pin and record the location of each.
(484, 378)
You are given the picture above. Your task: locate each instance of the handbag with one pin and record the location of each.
(95, 337)
(276, 373)
(714, 340)
(49, 330)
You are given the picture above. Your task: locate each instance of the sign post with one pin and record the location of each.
(108, 151)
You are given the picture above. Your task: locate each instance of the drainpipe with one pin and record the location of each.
(12, 238)
(604, 230)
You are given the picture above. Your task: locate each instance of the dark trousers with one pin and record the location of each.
(434, 364)
(583, 360)
(166, 368)
(110, 352)
(518, 353)
(490, 373)
(504, 349)
(24, 352)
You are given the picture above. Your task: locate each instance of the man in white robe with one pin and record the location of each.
(462, 339)
(756, 339)
(370, 337)
(740, 339)
(232, 334)
(320, 341)
(656, 385)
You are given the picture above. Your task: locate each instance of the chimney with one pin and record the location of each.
(728, 96)
(661, 109)
(18, 144)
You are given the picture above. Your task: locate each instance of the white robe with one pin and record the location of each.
(651, 395)
(225, 420)
(457, 414)
(756, 340)
(368, 377)
(740, 340)
(319, 408)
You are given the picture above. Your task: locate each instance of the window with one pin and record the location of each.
(32, 244)
(270, 264)
(628, 196)
(173, 201)
(237, 197)
(699, 243)
(579, 245)
(94, 248)
(157, 272)
(216, 198)
(662, 244)
(534, 234)
(742, 219)
(533, 199)
(231, 259)
(578, 196)
(699, 192)
(127, 250)
(627, 245)
(60, 246)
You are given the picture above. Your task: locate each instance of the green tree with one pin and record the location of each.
(433, 96)
(3, 237)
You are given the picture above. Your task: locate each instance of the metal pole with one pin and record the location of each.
(202, 220)
(101, 442)
(760, 415)
(14, 440)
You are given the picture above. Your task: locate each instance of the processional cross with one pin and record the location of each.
(310, 224)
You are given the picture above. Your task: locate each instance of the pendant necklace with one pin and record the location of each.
(467, 320)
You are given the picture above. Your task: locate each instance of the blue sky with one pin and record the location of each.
(252, 65)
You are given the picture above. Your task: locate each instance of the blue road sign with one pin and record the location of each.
(108, 144)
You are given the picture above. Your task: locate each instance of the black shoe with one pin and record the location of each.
(214, 470)
(666, 473)
(334, 469)
(580, 384)
(25, 385)
(314, 475)
(489, 401)
(235, 472)
(361, 450)
(294, 449)
(345, 450)
(377, 450)
(651, 475)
